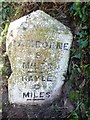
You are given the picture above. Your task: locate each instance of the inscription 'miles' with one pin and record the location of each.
(38, 48)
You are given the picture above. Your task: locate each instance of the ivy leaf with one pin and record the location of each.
(78, 56)
(83, 43)
(84, 28)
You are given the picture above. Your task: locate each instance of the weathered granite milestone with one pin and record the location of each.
(38, 48)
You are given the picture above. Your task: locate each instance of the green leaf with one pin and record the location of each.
(74, 116)
(86, 69)
(82, 34)
(74, 95)
(3, 33)
(84, 28)
(82, 43)
(74, 6)
(78, 56)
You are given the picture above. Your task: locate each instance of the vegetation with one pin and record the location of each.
(79, 68)
(80, 75)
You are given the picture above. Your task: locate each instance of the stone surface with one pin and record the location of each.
(38, 48)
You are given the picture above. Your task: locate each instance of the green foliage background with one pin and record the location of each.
(79, 66)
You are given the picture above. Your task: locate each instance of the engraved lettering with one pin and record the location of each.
(26, 94)
(65, 46)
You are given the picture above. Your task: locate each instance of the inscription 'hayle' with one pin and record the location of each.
(37, 77)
